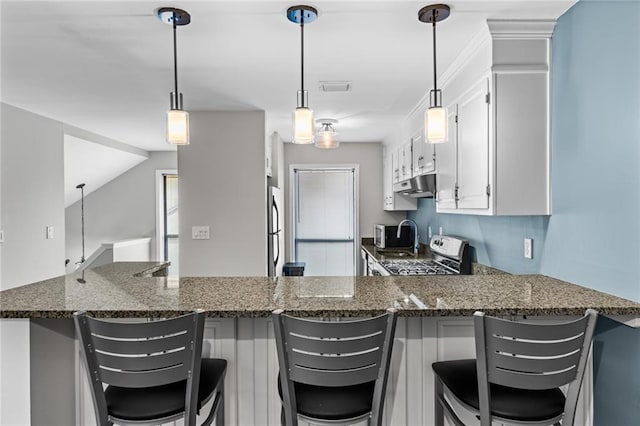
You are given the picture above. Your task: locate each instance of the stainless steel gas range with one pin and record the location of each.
(450, 255)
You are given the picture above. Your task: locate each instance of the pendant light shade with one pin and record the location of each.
(327, 136)
(436, 117)
(303, 126)
(303, 122)
(178, 127)
(177, 117)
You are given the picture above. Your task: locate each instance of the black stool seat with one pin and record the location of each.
(461, 377)
(332, 403)
(163, 401)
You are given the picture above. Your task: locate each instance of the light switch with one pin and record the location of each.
(199, 232)
(49, 232)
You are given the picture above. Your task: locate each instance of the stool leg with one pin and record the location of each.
(220, 414)
(439, 394)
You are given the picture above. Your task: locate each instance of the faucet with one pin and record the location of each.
(416, 243)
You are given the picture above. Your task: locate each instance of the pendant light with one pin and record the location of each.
(303, 123)
(177, 117)
(327, 136)
(435, 118)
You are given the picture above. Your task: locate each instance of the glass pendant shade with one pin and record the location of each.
(327, 138)
(178, 127)
(303, 126)
(435, 125)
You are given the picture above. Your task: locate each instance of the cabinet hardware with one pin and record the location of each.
(456, 118)
(488, 190)
(456, 192)
(487, 98)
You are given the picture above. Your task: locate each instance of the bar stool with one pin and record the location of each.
(517, 373)
(154, 370)
(333, 372)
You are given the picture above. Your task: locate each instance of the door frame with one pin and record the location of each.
(160, 173)
(356, 205)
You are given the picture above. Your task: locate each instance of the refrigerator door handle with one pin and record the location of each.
(275, 209)
(275, 261)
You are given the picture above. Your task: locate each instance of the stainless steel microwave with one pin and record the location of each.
(386, 236)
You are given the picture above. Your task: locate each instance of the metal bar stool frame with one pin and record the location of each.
(523, 355)
(144, 355)
(334, 354)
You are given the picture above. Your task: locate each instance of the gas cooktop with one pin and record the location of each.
(416, 267)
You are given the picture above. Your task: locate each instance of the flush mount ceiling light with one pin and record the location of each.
(327, 136)
(435, 118)
(303, 124)
(177, 117)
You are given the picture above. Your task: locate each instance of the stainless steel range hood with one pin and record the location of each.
(423, 186)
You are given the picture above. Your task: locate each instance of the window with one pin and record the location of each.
(325, 219)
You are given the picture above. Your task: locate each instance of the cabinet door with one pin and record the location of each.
(473, 148)
(446, 165)
(405, 167)
(417, 148)
(395, 165)
(387, 181)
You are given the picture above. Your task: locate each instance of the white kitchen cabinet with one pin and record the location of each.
(497, 160)
(395, 166)
(268, 155)
(423, 155)
(463, 166)
(404, 161)
(446, 167)
(391, 200)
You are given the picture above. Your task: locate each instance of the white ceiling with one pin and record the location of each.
(106, 66)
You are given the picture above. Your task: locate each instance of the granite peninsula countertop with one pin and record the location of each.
(127, 289)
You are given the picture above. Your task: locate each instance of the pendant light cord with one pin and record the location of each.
(435, 85)
(302, 53)
(175, 62)
(82, 213)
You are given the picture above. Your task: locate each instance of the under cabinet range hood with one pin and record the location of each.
(423, 186)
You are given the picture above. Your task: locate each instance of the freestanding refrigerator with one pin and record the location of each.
(275, 231)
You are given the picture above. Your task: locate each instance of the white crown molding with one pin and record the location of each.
(521, 28)
(467, 54)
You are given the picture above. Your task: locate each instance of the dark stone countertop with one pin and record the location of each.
(113, 291)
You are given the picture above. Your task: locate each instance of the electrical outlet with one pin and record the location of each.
(429, 232)
(199, 232)
(528, 248)
(49, 232)
(441, 230)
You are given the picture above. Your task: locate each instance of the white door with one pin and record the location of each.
(325, 220)
(473, 148)
(446, 165)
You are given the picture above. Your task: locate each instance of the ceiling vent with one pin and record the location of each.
(335, 86)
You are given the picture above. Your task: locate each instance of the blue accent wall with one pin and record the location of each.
(593, 236)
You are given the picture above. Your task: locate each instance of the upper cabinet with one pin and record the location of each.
(390, 174)
(498, 155)
(274, 163)
(405, 158)
(424, 156)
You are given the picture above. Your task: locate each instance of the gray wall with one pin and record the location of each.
(123, 208)
(32, 181)
(222, 185)
(369, 157)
